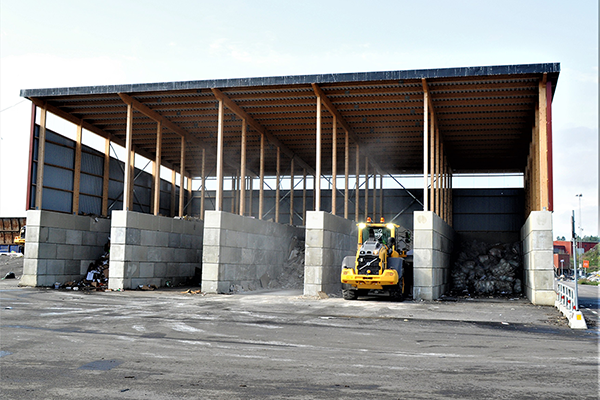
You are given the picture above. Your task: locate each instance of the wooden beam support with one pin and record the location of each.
(243, 169)
(105, 177)
(277, 178)
(261, 189)
(203, 194)
(292, 192)
(357, 190)
(173, 192)
(77, 170)
(182, 178)
(346, 172)
(220, 144)
(340, 119)
(157, 164)
(334, 166)
(128, 178)
(317, 190)
(259, 128)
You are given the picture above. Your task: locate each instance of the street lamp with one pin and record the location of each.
(579, 226)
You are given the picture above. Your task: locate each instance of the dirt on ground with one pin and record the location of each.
(10, 262)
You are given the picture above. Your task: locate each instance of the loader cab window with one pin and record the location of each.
(379, 234)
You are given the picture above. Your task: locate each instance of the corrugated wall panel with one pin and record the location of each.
(92, 164)
(90, 204)
(56, 200)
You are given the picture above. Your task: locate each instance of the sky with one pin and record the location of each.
(85, 43)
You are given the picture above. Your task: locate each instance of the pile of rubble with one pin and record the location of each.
(292, 274)
(483, 269)
(97, 274)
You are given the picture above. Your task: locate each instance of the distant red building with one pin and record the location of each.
(565, 246)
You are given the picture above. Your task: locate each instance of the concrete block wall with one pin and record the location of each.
(433, 242)
(59, 247)
(243, 251)
(151, 250)
(536, 235)
(329, 239)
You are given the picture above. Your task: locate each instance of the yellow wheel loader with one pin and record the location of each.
(20, 240)
(383, 262)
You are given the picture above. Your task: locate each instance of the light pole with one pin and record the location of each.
(580, 230)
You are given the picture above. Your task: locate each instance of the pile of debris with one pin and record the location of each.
(292, 273)
(97, 274)
(484, 269)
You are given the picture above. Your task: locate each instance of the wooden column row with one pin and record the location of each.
(437, 176)
(538, 170)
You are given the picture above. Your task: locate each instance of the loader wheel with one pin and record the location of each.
(397, 291)
(350, 294)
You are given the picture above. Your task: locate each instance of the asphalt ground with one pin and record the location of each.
(166, 344)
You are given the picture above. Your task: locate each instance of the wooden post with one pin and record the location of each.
(203, 192)
(277, 185)
(251, 190)
(292, 193)
(262, 177)
(425, 150)
(346, 172)
(366, 187)
(173, 192)
(304, 196)
(128, 178)
(190, 196)
(357, 194)
(543, 148)
(77, 170)
(431, 162)
(105, 177)
(334, 165)
(317, 185)
(219, 200)
(243, 170)
(375, 196)
(157, 163)
(182, 178)
(381, 196)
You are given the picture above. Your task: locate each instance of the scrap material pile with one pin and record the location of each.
(484, 269)
(97, 273)
(292, 274)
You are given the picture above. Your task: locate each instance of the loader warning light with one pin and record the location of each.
(382, 220)
(368, 219)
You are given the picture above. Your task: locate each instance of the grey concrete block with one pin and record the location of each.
(55, 267)
(32, 250)
(132, 269)
(74, 237)
(30, 267)
(33, 218)
(72, 267)
(133, 236)
(56, 235)
(47, 250)
(64, 251)
(154, 253)
(118, 218)
(165, 224)
(160, 269)
(117, 269)
(146, 270)
(89, 239)
(148, 238)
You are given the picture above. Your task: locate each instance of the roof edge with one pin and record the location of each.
(553, 69)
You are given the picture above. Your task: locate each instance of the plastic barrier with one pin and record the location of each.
(568, 304)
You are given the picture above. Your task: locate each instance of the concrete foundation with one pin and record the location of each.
(243, 252)
(151, 250)
(536, 235)
(329, 239)
(59, 247)
(433, 242)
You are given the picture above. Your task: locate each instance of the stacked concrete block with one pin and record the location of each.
(243, 253)
(151, 250)
(329, 239)
(59, 247)
(536, 235)
(433, 242)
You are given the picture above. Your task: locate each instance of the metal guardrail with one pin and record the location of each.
(568, 304)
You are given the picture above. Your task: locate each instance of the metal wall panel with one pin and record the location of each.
(92, 163)
(56, 200)
(57, 178)
(90, 204)
(59, 155)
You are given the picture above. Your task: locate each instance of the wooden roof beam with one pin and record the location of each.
(259, 128)
(150, 113)
(329, 105)
(94, 129)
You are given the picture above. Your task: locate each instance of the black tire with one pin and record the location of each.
(22, 249)
(350, 294)
(397, 291)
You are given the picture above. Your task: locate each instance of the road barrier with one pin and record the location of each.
(568, 304)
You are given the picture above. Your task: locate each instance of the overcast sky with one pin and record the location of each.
(82, 43)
